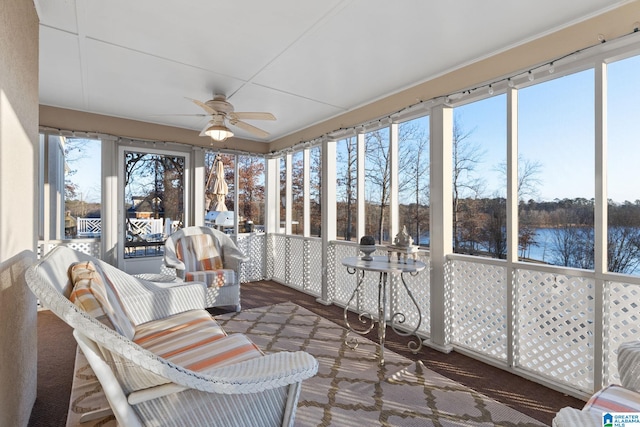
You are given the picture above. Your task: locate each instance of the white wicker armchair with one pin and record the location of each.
(145, 389)
(207, 255)
(613, 398)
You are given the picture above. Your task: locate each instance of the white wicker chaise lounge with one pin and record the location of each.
(206, 377)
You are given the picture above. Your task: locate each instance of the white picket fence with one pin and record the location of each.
(92, 227)
(89, 227)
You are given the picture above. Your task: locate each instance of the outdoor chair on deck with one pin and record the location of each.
(623, 397)
(203, 254)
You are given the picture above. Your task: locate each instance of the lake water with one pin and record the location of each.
(543, 249)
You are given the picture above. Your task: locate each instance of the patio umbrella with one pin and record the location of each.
(219, 188)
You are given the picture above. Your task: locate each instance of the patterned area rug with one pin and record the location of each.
(350, 389)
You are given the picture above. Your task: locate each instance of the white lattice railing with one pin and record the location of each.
(87, 246)
(254, 246)
(553, 324)
(538, 320)
(478, 307)
(555, 316)
(297, 262)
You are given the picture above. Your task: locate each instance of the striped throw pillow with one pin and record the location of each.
(614, 398)
(89, 293)
(91, 282)
(199, 252)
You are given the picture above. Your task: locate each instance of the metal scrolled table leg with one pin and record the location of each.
(382, 313)
(399, 318)
(363, 317)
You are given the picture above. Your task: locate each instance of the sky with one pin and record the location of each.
(88, 171)
(555, 129)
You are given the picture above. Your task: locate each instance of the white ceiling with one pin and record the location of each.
(303, 61)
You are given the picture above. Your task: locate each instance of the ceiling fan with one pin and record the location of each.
(222, 111)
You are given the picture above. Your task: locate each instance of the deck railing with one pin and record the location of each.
(538, 321)
(557, 326)
(92, 227)
(89, 227)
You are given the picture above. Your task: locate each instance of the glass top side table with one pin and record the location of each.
(384, 267)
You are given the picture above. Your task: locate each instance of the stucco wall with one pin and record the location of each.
(18, 190)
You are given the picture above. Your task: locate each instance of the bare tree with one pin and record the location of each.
(573, 238)
(529, 182)
(623, 249)
(414, 174)
(315, 191)
(378, 176)
(467, 154)
(251, 188)
(75, 149)
(378, 171)
(348, 181)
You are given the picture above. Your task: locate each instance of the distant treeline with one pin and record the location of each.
(577, 211)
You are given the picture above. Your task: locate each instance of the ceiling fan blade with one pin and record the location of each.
(180, 115)
(249, 128)
(252, 116)
(204, 106)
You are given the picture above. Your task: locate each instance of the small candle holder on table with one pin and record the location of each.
(403, 253)
(403, 246)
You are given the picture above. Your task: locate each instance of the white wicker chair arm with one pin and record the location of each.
(262, 373)
(170, 257)
(234, 261)
(572, 417)
(252, 376)
(244, 378)
(629, 365)
(234, 253)
(174, 263)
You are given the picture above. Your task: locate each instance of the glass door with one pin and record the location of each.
(152, 206)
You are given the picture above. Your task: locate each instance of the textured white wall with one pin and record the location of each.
(18, 209)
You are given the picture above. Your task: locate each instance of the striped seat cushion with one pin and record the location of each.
(167, 336)
(212, 277)
(194, 340)
(234, 348)
(614, 398)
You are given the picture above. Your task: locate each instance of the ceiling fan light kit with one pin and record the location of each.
(222, 111)
(219, 133)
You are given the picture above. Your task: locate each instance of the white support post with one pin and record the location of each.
(236, 197)
(110, 202)
(46, 199)
(288, 212)
(512, 219)
(441, 222)
(329, 215)
(306, 208)
(601, 346)
(272, 199)
(198, 187)
(394, 211)
(54, 185)
(361, 206)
